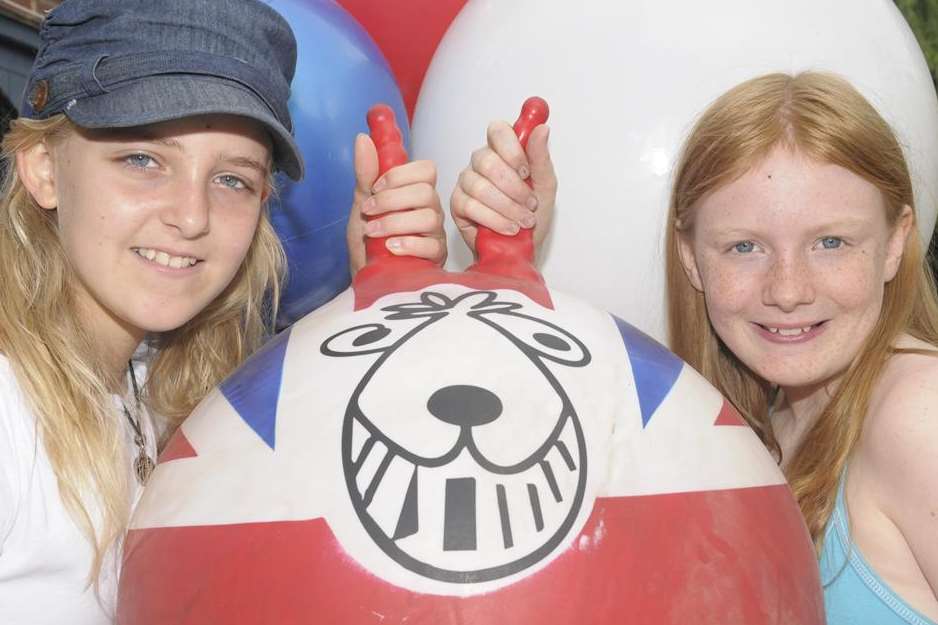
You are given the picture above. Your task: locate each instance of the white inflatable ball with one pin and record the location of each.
(625, 81)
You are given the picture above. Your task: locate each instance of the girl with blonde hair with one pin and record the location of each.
(797, 285)
(133, 221)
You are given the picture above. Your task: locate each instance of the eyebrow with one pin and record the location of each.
(142, 134)
(137, 134)
(847, 223)
(245, 161)
(145, 135)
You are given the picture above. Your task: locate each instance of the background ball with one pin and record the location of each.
(626, 81)
(407, 31)
(340, 74)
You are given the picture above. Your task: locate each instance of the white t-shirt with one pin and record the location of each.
(44, 558)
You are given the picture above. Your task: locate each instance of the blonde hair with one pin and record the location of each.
(61, 372)
(825, 118)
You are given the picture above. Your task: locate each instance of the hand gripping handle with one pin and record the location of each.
(389, 142)
(513, 255)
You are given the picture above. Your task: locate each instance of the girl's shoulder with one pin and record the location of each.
(894, 471)
(899, 441)
(904, 402)
(17, 422)
(6, 371)
(18, 446)
(910, 377)
(13, 406)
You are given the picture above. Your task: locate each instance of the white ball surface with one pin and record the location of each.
(625, 82)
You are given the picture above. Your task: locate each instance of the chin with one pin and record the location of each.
(152, 324)
(788, 380)
(796, 377)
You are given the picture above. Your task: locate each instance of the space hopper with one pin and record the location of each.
(437, 447)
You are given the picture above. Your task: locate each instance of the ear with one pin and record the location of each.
(895, 247)
(685, 250)
(35, 167)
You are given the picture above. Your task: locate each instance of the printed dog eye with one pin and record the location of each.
(537, 336)
(551, 341)
(372, 336)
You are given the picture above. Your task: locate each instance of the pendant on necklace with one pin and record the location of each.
(143, 467)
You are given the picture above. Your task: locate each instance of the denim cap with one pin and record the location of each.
(123, 63)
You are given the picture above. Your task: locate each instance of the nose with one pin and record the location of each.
(188, 211)
(789, 283)
(464, 405)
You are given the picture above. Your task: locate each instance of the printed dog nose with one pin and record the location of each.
(464, 405)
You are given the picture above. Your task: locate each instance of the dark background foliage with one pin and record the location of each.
(922, 16)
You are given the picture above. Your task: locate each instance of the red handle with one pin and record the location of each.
(508, 256)
(389, 142)
(513, 255)
(387, 137)
(534, 112)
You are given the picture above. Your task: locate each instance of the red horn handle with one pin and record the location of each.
(513, 255)
(383, 271)
(389, 142)
(534, 112)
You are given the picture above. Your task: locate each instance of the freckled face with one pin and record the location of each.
(157, 220)
(792, 259)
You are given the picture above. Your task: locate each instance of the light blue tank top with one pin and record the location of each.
(853, 593)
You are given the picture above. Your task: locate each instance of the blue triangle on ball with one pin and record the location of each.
(655, 368)
(254, 389)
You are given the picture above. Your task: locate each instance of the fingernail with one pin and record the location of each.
(511, 229)
(532, 203)
(368, 206)
(523, 172)
(372, 228)
(380, 184)
(528, 221)
(394, 245)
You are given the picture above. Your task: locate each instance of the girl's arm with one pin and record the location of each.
(900, 445)
(11, 438)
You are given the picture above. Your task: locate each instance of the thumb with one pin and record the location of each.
(366, 163)
(543, 177)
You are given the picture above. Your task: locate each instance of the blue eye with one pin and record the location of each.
(142, 161)
(232, 182)
(831, 243)
(744, 247)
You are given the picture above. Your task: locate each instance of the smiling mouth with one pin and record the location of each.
(163, 258)
(791, 332)
(489, 524)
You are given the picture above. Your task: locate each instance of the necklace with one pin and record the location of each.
(143, 464)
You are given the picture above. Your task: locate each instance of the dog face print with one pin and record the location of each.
(463, 475)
